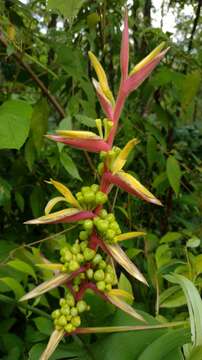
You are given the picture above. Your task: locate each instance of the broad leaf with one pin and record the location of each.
(173, 173)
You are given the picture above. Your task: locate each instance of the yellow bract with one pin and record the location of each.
(129, 235)
(101, 77)
(147, 59)
(121, 293)
(51, 267)
(65, 192)
(52, 203)
(54, 340)
(138, 187)
(125, 307)
(77, 134)
(56, 216)
(121, 159)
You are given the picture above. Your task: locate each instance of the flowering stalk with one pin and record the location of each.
(89, 262)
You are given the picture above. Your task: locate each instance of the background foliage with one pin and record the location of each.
(45, 85)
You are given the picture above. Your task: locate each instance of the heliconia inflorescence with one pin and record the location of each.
(89, 262)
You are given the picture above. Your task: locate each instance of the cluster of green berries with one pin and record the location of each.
(73, 257)
(108, 157)
(68, 316)
(107, 226)
(90, 197)
(101, 273)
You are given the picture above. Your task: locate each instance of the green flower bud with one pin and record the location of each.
(89, 254)
(97, 259)
(75, 248)
(76, 321)
(94, 187)
(102, 225)
(58, 327)
(114, 226)
(89, 273)
(88, 225)
(80, 258)
(108, 287)
(67, 256)
(81, 305)
(111, 217)
(73, 265)
(96, 220)
(103, 214)
(85, 189)
(83, 245)
(100, 198)
(77, 280)
(80, 197)
(109, 278)
(62, 321)
(70, 300)
(62, 302)
(83, 235)
(100, 285)
(102, 264)
(74, 311)
(110, 234)
(69, 328)
(99, 275)
(63, 250)
(55, 314)
(109, 269)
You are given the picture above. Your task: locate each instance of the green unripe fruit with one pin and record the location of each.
(109, 278)
(69, 328)
(89, 197)
(109, 269)
(76, 321)
(102, 264)
(81, 306)
(63, 250)
(75, 249)
(102, 225)
(67, 256)
(110, 217)
(80, 258)
(103, 214)
(62, 302)
(100, 285)
(56, 314)
(74, 311)
(110, 234)
(89, 254)
(57, 327)
(65, 310)
(83, 245)
(100, 168)
(108, 287)
(94, 187)
(83, 235)
(114, 226)
(78, 194)
(99, 275)
(97, 259)
(88, 225)
(73, 265)
(70, 300)
(62, 321)
(100, 198)
(96, 220)
(85, 189)
(89, 273)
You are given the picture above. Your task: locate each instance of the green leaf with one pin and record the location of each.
(39, 122)
(163, 255)
(14, 285)
(172, 297)
(15, 118)
(125, 284)
(190, 86)
(69, 165)
(173, 173)
(170, 236)
(193, 242)
(19, 201)
(151, 151)
(45, 326)
(23, 267)
(68, 9)
(90, 122)
(194, 303)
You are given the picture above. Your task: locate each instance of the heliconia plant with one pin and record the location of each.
(89, 262)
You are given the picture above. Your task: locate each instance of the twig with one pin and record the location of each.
(195, 23)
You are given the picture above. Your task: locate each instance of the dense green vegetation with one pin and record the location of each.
(46, 86)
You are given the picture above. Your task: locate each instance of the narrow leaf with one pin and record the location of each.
(65, 192)
(173, 173)
(125, 307)
(129, 235)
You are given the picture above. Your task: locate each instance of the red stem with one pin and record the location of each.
(92, 286)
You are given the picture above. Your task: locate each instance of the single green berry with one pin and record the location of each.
(103, 214)
(89, 197)
(80, 258)
(110, 234)
(108, 287)
(89, 273)
(63, 250)
(110, 217)
(62, 321)
(70, 300)
(83, 235)
(69, 328)
(97, 259)
(89, 254)
(67, 256)
(55, 314)
(100, 198)
(100, 285)
(81, 306)
(99, 275)
(109, 278)
(109, 269)
(94, 187)
(102, 264)
(62, 302)
(75, 249)
(73, 265)
(85, 189)
(76, 321)
(102, 225)
(65, 310)
(74, 311)
(88, 225)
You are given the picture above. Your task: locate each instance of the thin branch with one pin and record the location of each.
(19, 57)
(195, 23)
